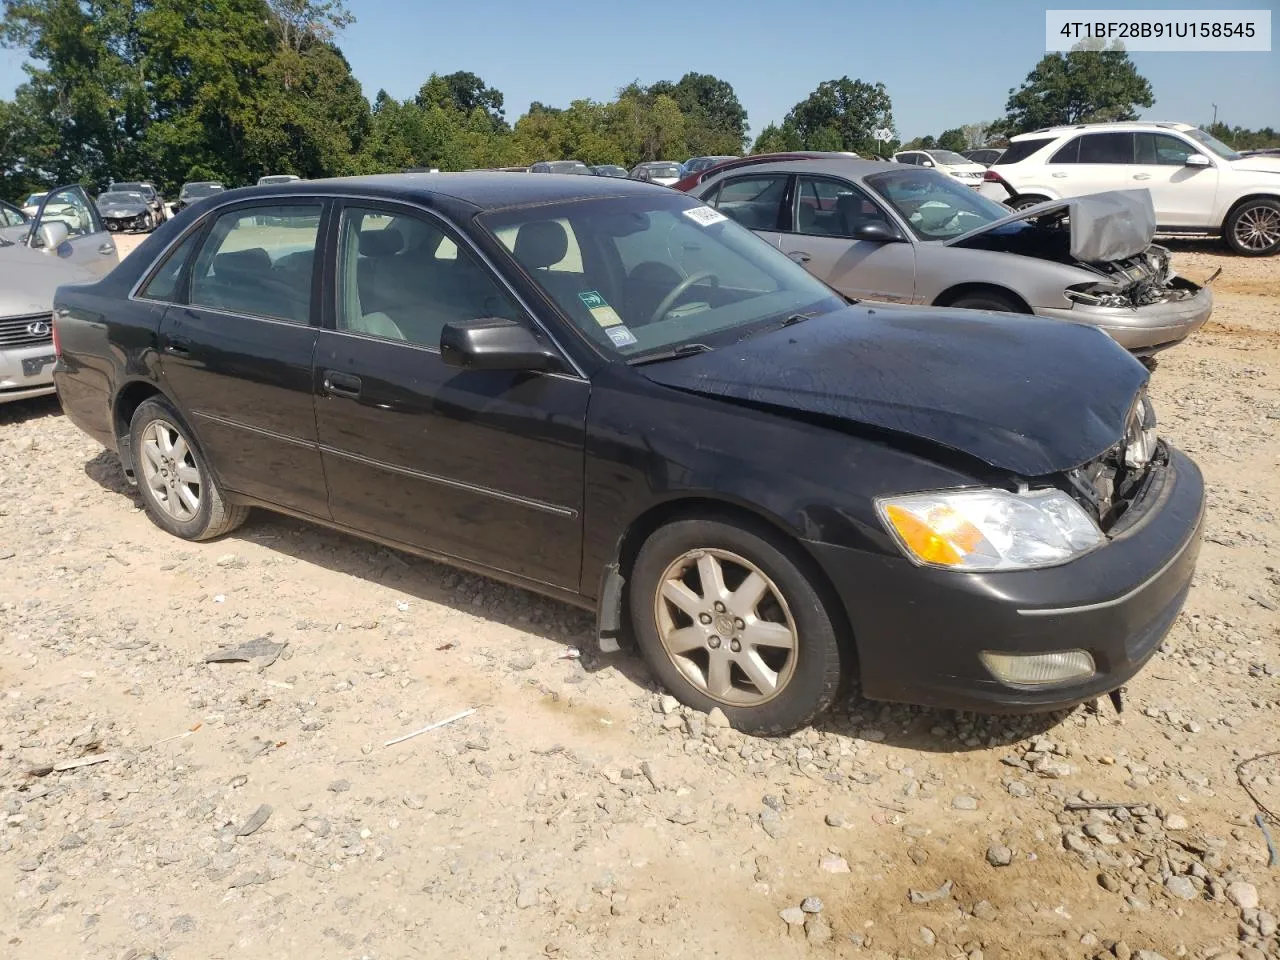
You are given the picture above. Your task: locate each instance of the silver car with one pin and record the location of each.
(908, 235)
(65, 243)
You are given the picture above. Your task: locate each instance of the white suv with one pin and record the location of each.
(1199, 185)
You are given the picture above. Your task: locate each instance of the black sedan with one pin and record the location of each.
(196, 190)
(615, 396)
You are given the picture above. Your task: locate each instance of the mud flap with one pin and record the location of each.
(124, 446)
(609, 610)
(1117, 699)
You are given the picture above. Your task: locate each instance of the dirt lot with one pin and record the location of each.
(577, 814)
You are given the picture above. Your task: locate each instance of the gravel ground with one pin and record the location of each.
(160, 806)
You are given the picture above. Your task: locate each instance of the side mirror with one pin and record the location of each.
(494, 343)
(1197, 160)
(52, 234)
(926, 163)
(877, 231)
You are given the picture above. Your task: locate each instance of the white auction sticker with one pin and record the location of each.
(704, 215)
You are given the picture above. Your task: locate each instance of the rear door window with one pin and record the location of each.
(754, 201)
(259, 261)
(1106, 148)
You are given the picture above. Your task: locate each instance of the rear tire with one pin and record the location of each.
(1022, 202)
(178, 489)
(756, 640)
(1253, 228)
(986, 300)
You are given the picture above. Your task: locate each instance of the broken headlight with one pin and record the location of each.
(1140, 435)
(988, 530)
(1096, 295)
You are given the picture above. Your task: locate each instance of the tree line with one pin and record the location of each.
(177, 90)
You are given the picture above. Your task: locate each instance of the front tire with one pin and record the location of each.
(1253, 228)
(728, 616)
(986, 300)
(178, 489)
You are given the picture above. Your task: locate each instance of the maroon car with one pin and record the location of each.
(701, 176)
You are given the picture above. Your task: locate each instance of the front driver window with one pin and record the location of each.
(69, 206)
(402, 277)
(830, 208)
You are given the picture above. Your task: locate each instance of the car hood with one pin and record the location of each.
(1026, 394)
(28, 279)
(1104, 226)
(122, 208)
(1256, 164)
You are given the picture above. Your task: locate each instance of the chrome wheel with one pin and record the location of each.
(726, 627)
(1257, 228)
(169, 470)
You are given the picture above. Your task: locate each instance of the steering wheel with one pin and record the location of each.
(670, 299)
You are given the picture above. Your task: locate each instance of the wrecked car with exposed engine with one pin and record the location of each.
(614, 395)
(910, 235)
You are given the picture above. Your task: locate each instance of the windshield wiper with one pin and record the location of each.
(684, 350)
(798, 318)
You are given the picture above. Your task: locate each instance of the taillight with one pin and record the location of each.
(992, 177)
(57, 343)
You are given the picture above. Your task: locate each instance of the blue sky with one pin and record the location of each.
(944, 64)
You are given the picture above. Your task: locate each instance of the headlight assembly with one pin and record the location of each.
(989, 530)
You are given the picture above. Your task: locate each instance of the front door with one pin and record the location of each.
(88, 243)
(484, 466)
(824, 215)
(1183, 196)
(236, 349)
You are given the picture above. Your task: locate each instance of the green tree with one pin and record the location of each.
(841, 115)
(464, 92)
(1081, 86)
(716, 122)
(953, 139)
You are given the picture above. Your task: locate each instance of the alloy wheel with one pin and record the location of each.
(726, 627)
(170, 471)
(1258, 228)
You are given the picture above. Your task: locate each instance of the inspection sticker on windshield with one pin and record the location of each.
(600, 310)
(621, 336)
(704, 216)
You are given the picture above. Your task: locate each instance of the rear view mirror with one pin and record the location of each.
(494, 343)
(877, 231)
(52, 234)
(1197, 160)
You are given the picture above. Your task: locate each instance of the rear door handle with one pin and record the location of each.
(1142, 176)
(178, 346)
(799, 256)
(341, 384)
(107, 248)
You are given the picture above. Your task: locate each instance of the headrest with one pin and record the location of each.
(381, 243)
(541, 243)
(848, 203)
(255, 260)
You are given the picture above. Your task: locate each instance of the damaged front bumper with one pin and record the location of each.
(921, 634)
(1144, 329)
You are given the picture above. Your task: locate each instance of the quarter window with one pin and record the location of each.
(163, 284)
(401, 277)
(259, 261)
(754, 202)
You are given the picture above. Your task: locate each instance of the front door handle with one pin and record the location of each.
(178, 346)
(107, 248)
(341, 384)
(1142, 176)
(1060, 176)
(799, 256)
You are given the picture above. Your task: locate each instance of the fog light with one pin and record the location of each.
(1038, 669)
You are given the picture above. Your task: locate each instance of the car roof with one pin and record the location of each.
(1118, 125)
(483, 189)
(839, 166)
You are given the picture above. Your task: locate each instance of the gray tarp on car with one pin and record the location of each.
(1104, 226)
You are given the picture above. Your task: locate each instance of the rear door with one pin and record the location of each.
(757, 201)
(88, 243)
(1183, 196)
(1092, 163)
(485, 466)
(825, 212)
(236, 350)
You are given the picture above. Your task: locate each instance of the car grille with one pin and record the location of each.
(26, 331)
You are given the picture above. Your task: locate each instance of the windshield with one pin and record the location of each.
(140, 188)
(201, 189)
(33, 200)
(936, 207)
(121, 196)
(663, 170)
(638, 275)
(1214, 144)
(947, 157)
(568, 166)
